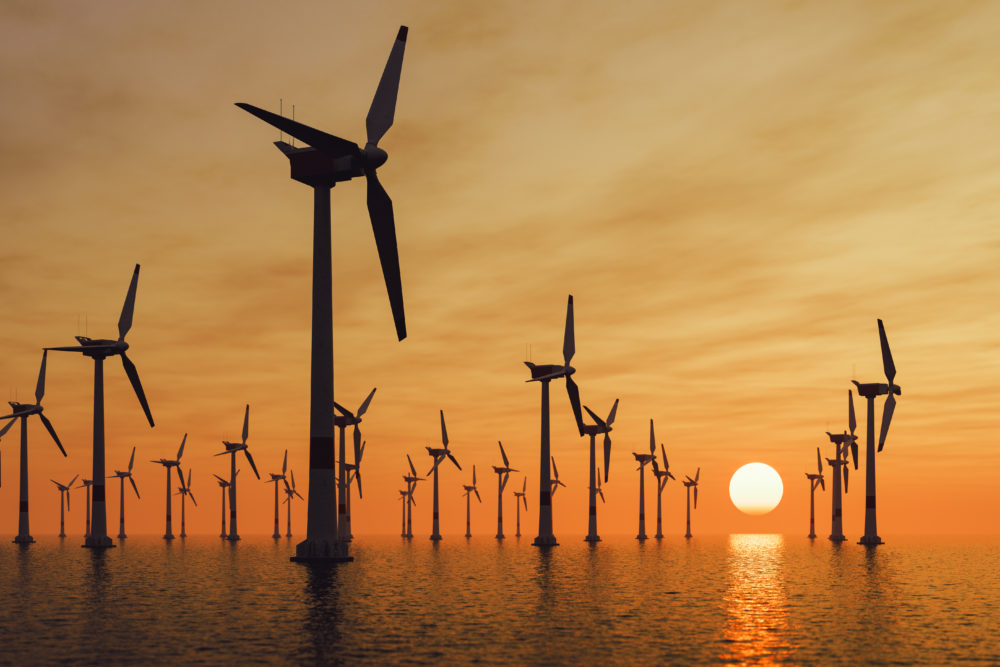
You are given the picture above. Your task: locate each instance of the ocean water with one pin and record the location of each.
(738, 599)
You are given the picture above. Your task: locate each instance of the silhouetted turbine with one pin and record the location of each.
(233, 448)
(600, 426)
(168, 532)
(503, 473)
(814, 481)
(122, 476)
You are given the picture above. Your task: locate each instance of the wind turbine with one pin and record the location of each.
(99, 350)
(503, 474)
(843, 443)
(21, 411)
(290, 495)
(353, 473)
(86, 484)
(643, 459)
(233, 448)
(439, 455)
(224, 484)
(345, 419)
(168, 534)
(689, 483)
(274, 480)
(404, 496)
(870, 391)
(519, 497)
(121, 479)
(411, 484)
(600, 426)
(662, 477)
(468, 503)
(327, 161)
(546, 374)
(63, 503)
(555, 483)
(814, 481)
(185, 492)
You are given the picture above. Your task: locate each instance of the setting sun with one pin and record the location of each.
(756, 488)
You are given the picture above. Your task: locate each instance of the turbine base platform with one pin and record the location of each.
(687, 535)
(93, 542)
(545, 541)
(233, 538)
(592, 538)
(24, 539)
(500, 536)
(658, 536)
(436, 538)
(871, 541)
(122, 536)
(321, 552)
(467, 536)
(837, 538)
(811, 536)
(168, 537)
(641, 537)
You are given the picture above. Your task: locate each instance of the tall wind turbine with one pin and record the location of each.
(643, 459)
(63, 503)
(99, 350)
(86, 484)
(224, 484)
(411, 485)
(843, 444)
(290, 495)
(439, 454)
(21, 412)
(870, 391)
(233, 448)
(275, 478)
(168, 533)
(519, 497)
(122, 476)
(345, 419)
(503, 474)
(689, 484)
(546, 374)
(185, 492)
(814, 481)
(327, 161)
(600, 426)
(662, 477)
(468, 503)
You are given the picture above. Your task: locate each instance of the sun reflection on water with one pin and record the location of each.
(757, 628)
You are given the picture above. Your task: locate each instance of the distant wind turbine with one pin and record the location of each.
(546, 374)
(122, 476)
(63, 503)
(342, 421)
(99, 350)
(327, 161)
(503, 473)
(689, 484)
(468, 512)
(168, 533)
(814, 481)
(275, 478)
(353, 474)
(411, 485)
(290, 495)
(843, 444)
(86, 484)
(555, 482)
(21, 411)
(224, 484)
(599, 427)
(439, 454)
(185, 492)
(662, 477)
(233, 448)
(519, 497)
(643, 459)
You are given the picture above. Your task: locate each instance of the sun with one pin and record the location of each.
(756, 488)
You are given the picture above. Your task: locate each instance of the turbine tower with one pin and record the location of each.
(600, 426)
(689, 483)
(439, 455)
(99, 350)
(224, 484)
(468, 503)
(411, 485)
(233, 448)
(643, 459)
(870, 391)
(168, 533)
(546, 374)
(814, 481)
(503, 474)
(353, 473)
(274, 480)
(86, 484)
(185, 492)
(121, 488)
(662, 477)
(519, 497)
(63, 503)
(21, 411)
(327, 161)
(290, 495)
(843, 443)
(345, 419)
(403, 498)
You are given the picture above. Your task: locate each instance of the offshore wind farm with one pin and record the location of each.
(729, 237)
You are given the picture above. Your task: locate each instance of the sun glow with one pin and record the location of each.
(756, 488)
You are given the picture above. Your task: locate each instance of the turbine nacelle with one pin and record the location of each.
(548, 371)
(873, 389)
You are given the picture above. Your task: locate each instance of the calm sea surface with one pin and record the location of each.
(741, 599)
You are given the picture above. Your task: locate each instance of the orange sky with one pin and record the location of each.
(732, 192)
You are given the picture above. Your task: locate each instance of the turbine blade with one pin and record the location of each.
(133, 377)
(887, 365)
(652, 438)
(364, 406)
(851, 421)
(384, 229)
(890, 406)
(822, 485)
(246, 426)
(569, 339)
(473, 475)
(6, 428)
(574, 400)
(846, 468)
(52, 431)
(180, 451)
(180, 476)
(383, 107)
(611, 415)
(503, 482)
(444, 431)
(477, 495)
(252, 464)
(663, 453)
(697, 474)
(134, 487)
(607, 455)
(284, 464)
(40, 387)
(344, 411)
(357, 477)
(854, 453)
(357, 444)
(131, 459)
(597, 420)
(331, 146)
(601, 494)
(503, 454)
(125, 321)
(454, 460)
(819, 462)
(192, 498)
(696, 497)
(413, 470)
(555, 470)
